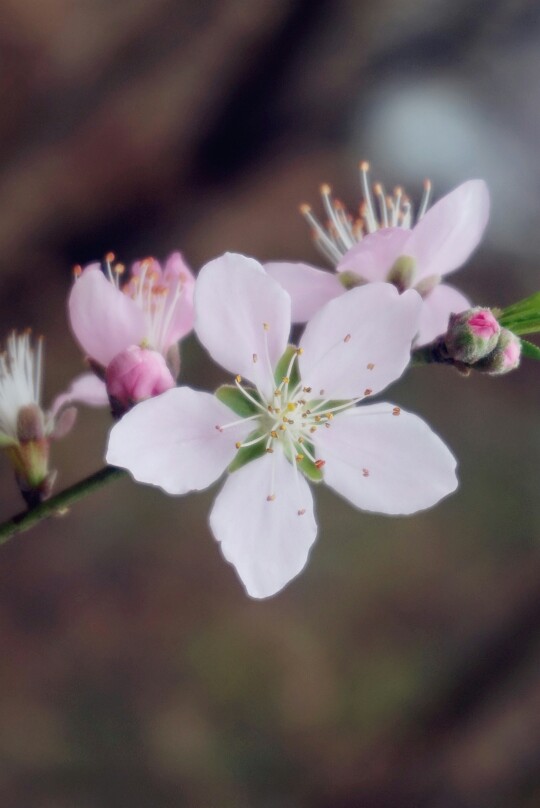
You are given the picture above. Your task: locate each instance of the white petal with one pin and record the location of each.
(267, 542)
(383, 462)
(374, 256)
(242, 317)
(446, 236)
(309, 288)
(104, 320)
(441, 302)
(172, 441)
(84, 389)
(360, 340)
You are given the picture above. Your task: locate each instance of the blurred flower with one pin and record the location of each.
(25, 428)
(472, 335)
(134, 325)
(385, 244)
(299, 419)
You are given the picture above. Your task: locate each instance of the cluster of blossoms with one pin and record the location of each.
(292, 414)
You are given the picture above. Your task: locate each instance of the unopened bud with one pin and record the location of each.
(135, 375)
(505, 356)
(29, 455)
(472, 335)
(402, 272)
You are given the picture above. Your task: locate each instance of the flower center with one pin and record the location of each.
(377, 210)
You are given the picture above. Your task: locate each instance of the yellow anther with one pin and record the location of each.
(238, 379)
(325, 189)
(299, 351)
(305, 209)
(291, 406)
(238, 444)
(299, 458)
(266, 326)
(285, 380)
(273, 434)
(282, 427)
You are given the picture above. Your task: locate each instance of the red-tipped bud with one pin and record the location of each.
(472, 335)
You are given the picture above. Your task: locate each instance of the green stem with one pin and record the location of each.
(57, 504)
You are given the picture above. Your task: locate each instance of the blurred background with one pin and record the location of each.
(402, 668)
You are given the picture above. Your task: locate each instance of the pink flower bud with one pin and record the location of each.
(505, 357)
(134, 375)
(472, 335)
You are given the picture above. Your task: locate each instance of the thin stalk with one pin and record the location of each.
(57, 505)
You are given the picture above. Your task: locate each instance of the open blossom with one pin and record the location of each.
(386, 242)
(296, 419)
(25, 428)
(130, 329)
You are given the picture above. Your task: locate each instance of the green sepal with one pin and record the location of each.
(6, 441)
(350, 280)
(236, 401)
(525, 324)
(522, 317)
(283, 366)
(530, 350)
(529, 305)
(330, 405)
(248, 453)
(306, 466)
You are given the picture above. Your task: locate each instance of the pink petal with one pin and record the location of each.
(361, 340)
(172, 441)
(308, 287)
(234, 300)
(267, 542)
(443, 301)
(177, 271)
(449, 232)
(84, 389)
(383, 462)
(103, 319)
(374, 256)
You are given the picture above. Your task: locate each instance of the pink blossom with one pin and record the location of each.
(295, 420)
(385, 244)
(153, 310)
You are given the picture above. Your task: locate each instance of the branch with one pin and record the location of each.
(56, 505)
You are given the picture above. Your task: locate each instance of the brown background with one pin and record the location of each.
(402, 668)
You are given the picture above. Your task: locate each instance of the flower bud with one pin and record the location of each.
(134, 375)
(472, 335)
(505, 357)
